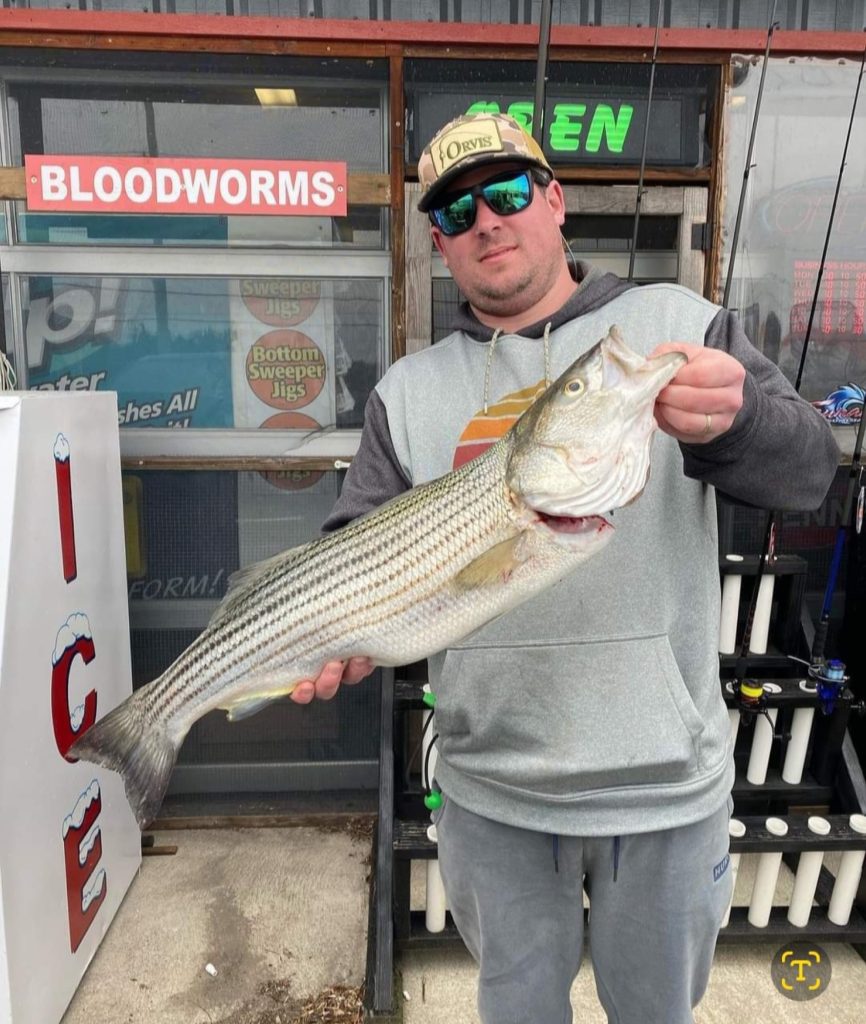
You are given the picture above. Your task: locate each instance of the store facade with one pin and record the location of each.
(259, 338)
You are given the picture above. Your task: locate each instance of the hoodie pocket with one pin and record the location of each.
(560, 719)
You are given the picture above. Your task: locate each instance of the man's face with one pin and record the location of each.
(505, 265)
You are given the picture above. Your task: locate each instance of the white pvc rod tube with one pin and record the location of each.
(766, 877)
(806, 879)
(730, 610)
(762, 743)
(736, 830)
(848, 878)
(434, 918)
(761, 621)
(795, 756)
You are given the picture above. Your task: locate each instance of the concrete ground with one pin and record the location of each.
(281, 914)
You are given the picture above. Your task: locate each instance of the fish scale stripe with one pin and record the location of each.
(434, 579)
(392, 598)
(305, 589)
(473, 504)
(299, 643)
(285, 597)
(385, 547)
(276, 577)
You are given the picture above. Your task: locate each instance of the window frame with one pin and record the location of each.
(331, 449)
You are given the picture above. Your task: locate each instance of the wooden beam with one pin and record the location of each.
(235, 463)
(12, 183)
(115, 30)
(358, 823)
(397, 135)
(370, 189)
(419, 278)
(718, 188)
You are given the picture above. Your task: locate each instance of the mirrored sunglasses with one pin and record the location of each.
(505, 194)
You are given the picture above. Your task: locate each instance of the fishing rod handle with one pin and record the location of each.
(820, 640)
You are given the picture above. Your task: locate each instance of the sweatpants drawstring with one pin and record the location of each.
(615, 856)
(556, 854)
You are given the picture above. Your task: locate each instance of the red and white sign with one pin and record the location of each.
(115, 184)
(283, 357)
(70, 845)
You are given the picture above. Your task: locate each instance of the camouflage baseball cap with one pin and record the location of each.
(471, 141)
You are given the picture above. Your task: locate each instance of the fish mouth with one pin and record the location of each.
(572, 524)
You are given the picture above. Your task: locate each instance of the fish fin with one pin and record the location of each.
(248, 576)
(247, 708)
(261, 690)
(128, 741)
(494, 566)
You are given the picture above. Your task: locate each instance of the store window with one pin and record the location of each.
(268, 333)
(237, 338)
(294, 109)
(805, 113)
(293, 354)
(804, 117)
(595, 113)
(186, 533)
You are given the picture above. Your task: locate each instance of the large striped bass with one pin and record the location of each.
(414, 576)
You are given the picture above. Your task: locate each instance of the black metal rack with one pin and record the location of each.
(832, 781)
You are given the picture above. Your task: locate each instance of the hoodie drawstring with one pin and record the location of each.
(497, 334)
(488, 364)
(547, 354)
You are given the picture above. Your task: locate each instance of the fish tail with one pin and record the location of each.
(127, 740)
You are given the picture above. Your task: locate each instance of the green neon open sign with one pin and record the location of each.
(606, 126)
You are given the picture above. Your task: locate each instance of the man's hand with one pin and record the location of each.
(700, 403)
(329, 679)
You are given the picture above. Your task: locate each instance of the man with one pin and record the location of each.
(583, 739)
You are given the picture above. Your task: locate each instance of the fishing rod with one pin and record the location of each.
(771, 28)
(830, 675)
(830, 225)
(541, 71)
(818, 668)
(750, 696)
(640, 188)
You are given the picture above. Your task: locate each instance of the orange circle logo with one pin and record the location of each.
(292, 479)
(286, 369)
(280, 302)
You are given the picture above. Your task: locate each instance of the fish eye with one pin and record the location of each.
(574, 387)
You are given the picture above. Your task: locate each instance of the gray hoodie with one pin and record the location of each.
(595, 708)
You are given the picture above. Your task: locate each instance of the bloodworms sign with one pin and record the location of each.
(108, 184)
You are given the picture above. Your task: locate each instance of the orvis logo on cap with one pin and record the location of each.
(481, 136)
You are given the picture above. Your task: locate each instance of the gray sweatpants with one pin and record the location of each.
(657, 901)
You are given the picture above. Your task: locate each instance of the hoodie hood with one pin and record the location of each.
(594, 288)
